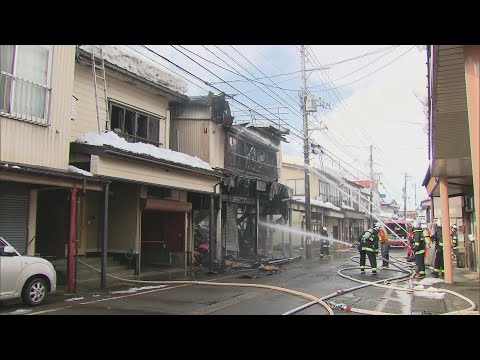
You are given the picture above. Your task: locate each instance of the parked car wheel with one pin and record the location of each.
(35, 292)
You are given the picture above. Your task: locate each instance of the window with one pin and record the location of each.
(323, 191)
(134, 125)
(298, 186)
(25, 82)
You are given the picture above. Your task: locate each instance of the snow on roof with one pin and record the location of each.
(347, 207)
(112, 139)
(79, 171)
(336, 173)
(126, 59)
(327, 205)
(256, 136)
(270, 124)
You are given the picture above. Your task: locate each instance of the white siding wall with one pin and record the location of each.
(31, 144)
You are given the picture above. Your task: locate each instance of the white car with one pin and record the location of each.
(28, 277)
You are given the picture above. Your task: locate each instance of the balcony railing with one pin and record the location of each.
(251, 166)
(23, 99)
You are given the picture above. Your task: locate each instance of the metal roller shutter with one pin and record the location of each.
(232, 229)
(14, 214)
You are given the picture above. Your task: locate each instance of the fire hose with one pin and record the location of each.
(195, 282)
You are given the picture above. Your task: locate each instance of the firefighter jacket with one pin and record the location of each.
(382, 235)
(325, 242)
(369, 241)
(438, 238)
(418, 241)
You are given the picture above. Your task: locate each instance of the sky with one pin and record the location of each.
(372, 94)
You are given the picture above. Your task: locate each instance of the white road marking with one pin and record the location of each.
(51, 310)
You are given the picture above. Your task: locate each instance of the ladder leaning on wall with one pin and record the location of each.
(100, 85)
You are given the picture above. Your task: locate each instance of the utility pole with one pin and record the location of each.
(405, 198)
(306, 153)
(371, 187)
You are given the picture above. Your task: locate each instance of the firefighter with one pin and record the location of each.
(419, 249)
(454, 235)
(324, 243)
(384, 244)
(438, 269)
(369, 247)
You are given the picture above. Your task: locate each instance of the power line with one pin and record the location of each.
(228, 85)
(335, 91)
(253, 75)
(353, 72)
(143, 54)
(245, 76)
(314, 69)
(207, 83)
(373, 72)
(296, 102)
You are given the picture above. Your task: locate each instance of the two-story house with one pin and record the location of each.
(125, 138)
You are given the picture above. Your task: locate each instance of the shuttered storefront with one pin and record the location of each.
(14, 214)
(231, 233)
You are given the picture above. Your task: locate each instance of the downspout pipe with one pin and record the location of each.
(71, 242)
(210, 240)
(77, 233)
(104, 239)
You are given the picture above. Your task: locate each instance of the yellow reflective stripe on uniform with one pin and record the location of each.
(419, 252)
(367, 249)
(417, 230)
(416, 243)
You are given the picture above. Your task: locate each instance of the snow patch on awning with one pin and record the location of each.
(74, 169)
(327, 205)
(112, 139)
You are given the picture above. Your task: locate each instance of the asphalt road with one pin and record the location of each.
(317, 277)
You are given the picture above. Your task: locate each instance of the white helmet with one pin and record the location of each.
(454, 226)
(378, 224)
(439, 222)
(324, 228)
(416, 223)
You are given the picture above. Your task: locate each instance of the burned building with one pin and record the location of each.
(248, 156)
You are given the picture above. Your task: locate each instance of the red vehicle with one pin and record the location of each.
(399, 227)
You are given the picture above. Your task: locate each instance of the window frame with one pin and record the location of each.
(137, 112)
(26, 117)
